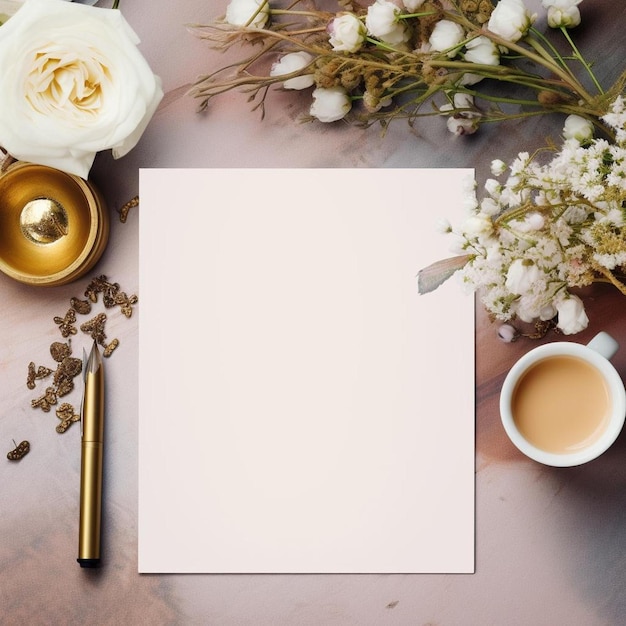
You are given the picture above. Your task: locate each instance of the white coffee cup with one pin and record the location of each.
(563, 403)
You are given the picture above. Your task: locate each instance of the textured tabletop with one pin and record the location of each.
(550, 543)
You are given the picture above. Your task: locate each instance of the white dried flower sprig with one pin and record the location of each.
(387, 59)
(545, 230)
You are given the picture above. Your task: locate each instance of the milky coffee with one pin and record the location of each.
(561, 404)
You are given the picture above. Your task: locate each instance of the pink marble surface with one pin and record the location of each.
(550, 544)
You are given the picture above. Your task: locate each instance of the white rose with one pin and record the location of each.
(483, 51)
(562, 13)
(510, 20)
(577, 127)
(572, 316)
(446, 36)
(240, 12)
(73, 83)
(330, 104)
(347, 33)
(521, 276)
(382, 22)
(293, 62)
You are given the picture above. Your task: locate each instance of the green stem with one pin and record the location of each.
(542, 61)
(581, 59)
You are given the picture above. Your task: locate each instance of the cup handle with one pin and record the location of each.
(604, 344)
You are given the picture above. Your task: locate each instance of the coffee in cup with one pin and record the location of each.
(563, 403)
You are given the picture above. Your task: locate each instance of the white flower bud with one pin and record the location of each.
(412, 5)
(508, 333)
(483, 51)
(382, 22)
(498, 167)
(330, 104)
(446, 36)
(239, 13)
(510, 20)
(572, 316)
(577, 127)
(562, 13)
(347, 33)
(476, 225)
(458, 125)
(293, 62)
(521, 276)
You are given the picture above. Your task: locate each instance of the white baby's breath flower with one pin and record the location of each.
(443, 226)
(498, 167)
(251, 13)
(521, 276)
(478, 224)
(493, 187)
(330, 104)
(347, 33)
(293, 62)
(510, 20)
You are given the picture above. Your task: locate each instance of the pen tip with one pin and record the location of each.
(94, 361)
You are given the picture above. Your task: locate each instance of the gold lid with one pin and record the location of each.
(53, 226)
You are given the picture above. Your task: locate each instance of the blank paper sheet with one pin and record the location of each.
(302, 408)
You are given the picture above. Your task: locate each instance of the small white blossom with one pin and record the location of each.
(382, 22)
(446, 37)
(241, 12)
(577, 127)
(412, 5)
(293, 62)
(347, 33)
(562, 13)
(572, 315)
(330, 104)
(498, 167)
(521, 276)
(510, 20)
(483, 51)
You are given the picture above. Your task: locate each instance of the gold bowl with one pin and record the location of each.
(53, 226)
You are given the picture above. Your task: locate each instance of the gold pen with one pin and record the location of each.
(92, 449)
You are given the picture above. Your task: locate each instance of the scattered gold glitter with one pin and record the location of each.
(46, 401)
(95, 328)
(19, 451)
(69, 367)
(67, 415)
(66, 324)
(60, 350)
(127, 207)
(80, 306)
(108, 350)
(36, 374)
(126, 303)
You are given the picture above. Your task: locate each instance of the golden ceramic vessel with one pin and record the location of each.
(53, 226)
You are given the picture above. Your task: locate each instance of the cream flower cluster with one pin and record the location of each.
(549, 228)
